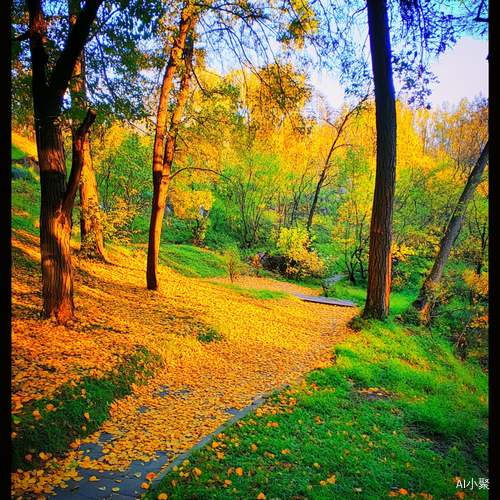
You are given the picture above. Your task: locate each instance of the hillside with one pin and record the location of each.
(263, 343)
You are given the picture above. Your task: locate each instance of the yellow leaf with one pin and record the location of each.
(93, 478)
(186, 462)
(331, 480)
(102, 488)
(150, 476)
(37, 415)
(78, 478)
(197, 471)
(115, 489)
(254, 447)
(162, 496)
(402, 491)
(220, 455)
(145, 486)
(322, 482)
(460, 494)
(261, 496)
(49, 406)
(86, 415)
(239, 471)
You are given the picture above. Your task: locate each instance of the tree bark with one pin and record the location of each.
(379, 260)
(92, 241)
(57, 194)
(452, 231)
(164, 153)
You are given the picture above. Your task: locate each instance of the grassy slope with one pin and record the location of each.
(396, 415)
(336, 436)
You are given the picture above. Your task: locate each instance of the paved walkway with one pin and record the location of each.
(129, 481)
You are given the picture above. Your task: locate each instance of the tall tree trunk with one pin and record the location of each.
(379, 260)
(57, 194)
(164, 153)
(452, 231)
(92, 241)
(58, 198)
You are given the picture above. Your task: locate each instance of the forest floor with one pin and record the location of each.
(219, 348)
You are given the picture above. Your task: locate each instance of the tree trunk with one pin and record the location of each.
(57, 194)
(92, 241)
(163, 156)
(452, 231)
(379, 261)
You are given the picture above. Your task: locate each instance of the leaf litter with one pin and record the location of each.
(260, 349)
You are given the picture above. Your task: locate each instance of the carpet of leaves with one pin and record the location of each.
(265, 343)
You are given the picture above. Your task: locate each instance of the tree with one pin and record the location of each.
(50, 80)
(379, 260)
(342, 123)
(455, 224)
(163, 153)
(92, 242)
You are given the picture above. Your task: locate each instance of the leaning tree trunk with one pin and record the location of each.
(164, 153)
(452, 231)
(379, 261)
(57, 193)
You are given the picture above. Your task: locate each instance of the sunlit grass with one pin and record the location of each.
(396, 415)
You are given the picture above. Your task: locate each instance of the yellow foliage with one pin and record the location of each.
(190, 204)
(295, 244)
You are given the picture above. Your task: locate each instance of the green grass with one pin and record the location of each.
(57, 428)
(16, 153)
(253, 293)
(192, 261)
(396, 410)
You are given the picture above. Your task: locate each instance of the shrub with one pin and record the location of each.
(233, 263)
(295, 245)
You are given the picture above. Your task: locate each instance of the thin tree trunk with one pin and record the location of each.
(326, 165)
(163, 156)
(452, 231)
(379, 262)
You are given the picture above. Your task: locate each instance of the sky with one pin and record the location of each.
(461, 71)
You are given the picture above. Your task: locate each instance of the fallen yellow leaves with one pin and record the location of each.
(264, 344)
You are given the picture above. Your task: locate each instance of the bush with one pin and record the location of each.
(295, 245)
(233, 263)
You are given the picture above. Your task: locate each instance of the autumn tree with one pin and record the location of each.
(92, 242)
(339, 127)
(50, 80)
(164, 145)
(454, 226)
